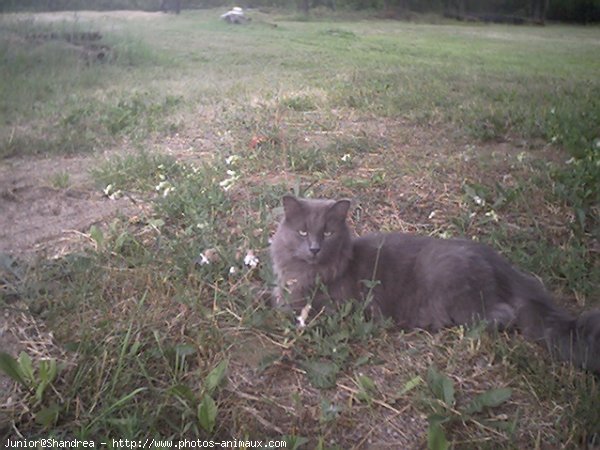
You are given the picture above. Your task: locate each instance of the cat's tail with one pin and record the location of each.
(569, 338)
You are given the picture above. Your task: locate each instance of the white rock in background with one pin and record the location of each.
(235, 15)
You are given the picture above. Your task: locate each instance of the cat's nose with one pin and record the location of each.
(315, 250)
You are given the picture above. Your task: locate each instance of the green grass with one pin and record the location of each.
(445, 130)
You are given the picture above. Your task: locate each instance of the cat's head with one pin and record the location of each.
(315, 230)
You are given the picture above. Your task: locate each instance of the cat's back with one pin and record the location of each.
(402, 250)
(389, 252)
(427, 282)
(379, 243)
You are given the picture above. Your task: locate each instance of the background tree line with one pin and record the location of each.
(582, 11)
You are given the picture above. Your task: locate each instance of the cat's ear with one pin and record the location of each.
(339, 210)
(291, 206)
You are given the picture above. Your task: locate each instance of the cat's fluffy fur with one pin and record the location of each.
(418, 281)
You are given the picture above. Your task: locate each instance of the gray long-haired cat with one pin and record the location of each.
(418, 281)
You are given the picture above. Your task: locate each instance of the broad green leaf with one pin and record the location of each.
(39, 390)
(214, 378)
(362, 361)
(366, 383)
(410, 385)
(441, 386)
(26, 366)
(135, 347)
(183, 392)
(436, 438)
(52, 370)
(47, 371)
(97, 235)
(10, 367)
(295, 442)
(367, 388)
(207, 413)
(346, 309)
(321, 374)
(43, 370)
(121, 239)
(47, 417)
(489, 399)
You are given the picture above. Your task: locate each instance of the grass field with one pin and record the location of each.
(490, 132)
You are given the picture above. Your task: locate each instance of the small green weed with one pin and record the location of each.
(579, 185)
(444, 411)
(60, 180)
(36, 381)
(138, 113)
(142, 171)
(325, 348)
(299, 103)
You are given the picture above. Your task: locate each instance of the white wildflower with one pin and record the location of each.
(492, 214)
(232, 270)
(111, 193)
(208, 256)
(346, 157)
(166, 187)
(228, 182)
(162, 185)
(203, 259)
(231, 159)
(303, 316)
(251, 260)
(431, 214)
(477, 199)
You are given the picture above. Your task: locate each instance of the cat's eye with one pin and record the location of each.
(302, 233)
(327, 233)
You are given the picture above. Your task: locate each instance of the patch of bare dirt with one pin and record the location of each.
(43, 203)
